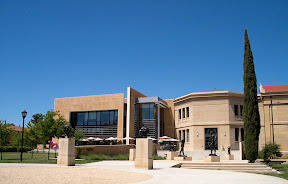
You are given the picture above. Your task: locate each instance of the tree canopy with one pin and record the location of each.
(251, 115)
(5, 132)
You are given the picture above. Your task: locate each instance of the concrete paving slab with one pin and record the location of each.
(163, 173)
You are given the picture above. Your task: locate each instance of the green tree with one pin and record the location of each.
(77, 134)
(251, 116)
(5, 132)
(44, 127)
(270, 151)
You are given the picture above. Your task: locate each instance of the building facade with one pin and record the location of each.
(219, 112)
(113, 115)
(191, 117)
(273, 109)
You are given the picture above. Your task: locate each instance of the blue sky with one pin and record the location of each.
(54, 49)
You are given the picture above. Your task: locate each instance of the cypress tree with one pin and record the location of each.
(251, 116)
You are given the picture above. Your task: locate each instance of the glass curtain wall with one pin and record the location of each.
(101, 124)
(145, 114)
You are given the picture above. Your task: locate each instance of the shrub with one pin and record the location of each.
(270, 151)
(89, 149)
(98, 157)
(78, 152)
(13, 149)
(155, 157)
(121, 157)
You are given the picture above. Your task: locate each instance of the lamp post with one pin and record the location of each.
(24, 114)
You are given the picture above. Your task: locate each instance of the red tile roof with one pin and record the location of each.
(276, 88)
(17, 128)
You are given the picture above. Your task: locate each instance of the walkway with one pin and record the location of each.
(124, 172)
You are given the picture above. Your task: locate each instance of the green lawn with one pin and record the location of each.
(282, 168)
(14, 157)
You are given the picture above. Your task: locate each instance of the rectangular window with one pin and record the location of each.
(236, 134)
(179, 113)
(236, 110)
(188, 135)
(242, 134)
(241, 110)
(111, 119)
(187, 111)
(179, 134)
(183, 135)
(183, 112)
(207, 137)
(148, 111)
(100, 123)
(105, 118)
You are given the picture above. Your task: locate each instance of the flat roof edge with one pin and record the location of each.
(208, 94)
(91, 96)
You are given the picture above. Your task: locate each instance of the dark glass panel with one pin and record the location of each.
(242, 134)
(105, 118)
(207, 137)
(98, 118)
(236, 110)
(241, 110)
(111, 117)
(116, 118)
(236, 134)
(92, 116)
(151, 113)
(86, 116)
(80, 116)
(145, 112)
(145, 106)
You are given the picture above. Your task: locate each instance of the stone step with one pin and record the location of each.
(226, 166)
(261, 171)
(223, 163)
(239, 167)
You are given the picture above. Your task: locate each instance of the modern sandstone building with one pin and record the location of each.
(273, 108)
(104, 116)
(191, 117)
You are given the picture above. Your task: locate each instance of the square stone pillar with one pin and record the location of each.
(212, 159)
(229, 157)
(183, 158)
(66, 155)
(144, 158)
(172, 154)
(132, 153)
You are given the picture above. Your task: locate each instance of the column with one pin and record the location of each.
(158, 120)
(128, 116)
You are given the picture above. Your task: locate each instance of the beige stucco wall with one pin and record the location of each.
(169, 123)
(280, 119)
(92, 103)
(133, 98)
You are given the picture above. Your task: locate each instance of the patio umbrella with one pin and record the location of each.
(164, 137)
(111, 139)
(98, 139)
(152, 138)
(128, 138)
(84, 140)
(171, 140)
(91, 139)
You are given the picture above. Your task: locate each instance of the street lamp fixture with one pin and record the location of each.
(24, 114)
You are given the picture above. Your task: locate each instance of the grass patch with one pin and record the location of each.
(40, 158)
(282, 168)
(99, 157)
(155, 157)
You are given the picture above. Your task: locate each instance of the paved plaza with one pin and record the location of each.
(124, 172)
